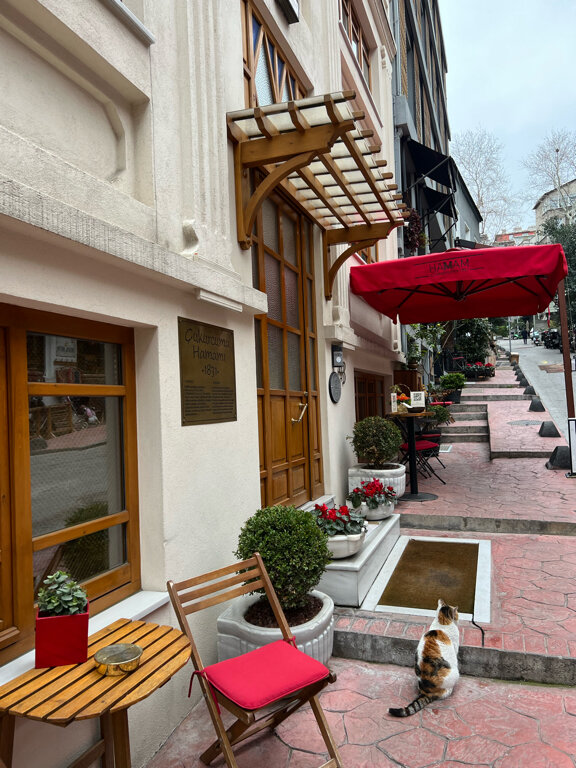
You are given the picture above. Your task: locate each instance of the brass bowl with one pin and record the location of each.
(117, 659)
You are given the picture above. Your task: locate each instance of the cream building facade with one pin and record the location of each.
(119, 225)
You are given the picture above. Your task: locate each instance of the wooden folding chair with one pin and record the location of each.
(260, 688)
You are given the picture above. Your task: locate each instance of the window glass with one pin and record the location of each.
(67, 360)
(83, 558)
(76, 471)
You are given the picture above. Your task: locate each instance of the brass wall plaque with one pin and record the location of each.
(207, 373)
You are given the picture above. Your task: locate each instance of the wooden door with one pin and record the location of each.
(286, 348)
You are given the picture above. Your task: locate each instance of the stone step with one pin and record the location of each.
(466, 437)
(486, 398)
(461, 407)
(469, 415)
(488, 384)
(474, 427)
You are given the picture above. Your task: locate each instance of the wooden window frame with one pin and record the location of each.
(353, 29)
(16, 539)
(251, 54)
(372, 402)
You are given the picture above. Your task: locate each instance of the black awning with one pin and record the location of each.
(429, 162)
(437, 202)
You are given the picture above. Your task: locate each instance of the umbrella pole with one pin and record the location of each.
(566, 350)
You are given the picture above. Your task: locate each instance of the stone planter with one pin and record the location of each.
(392, 474)
(237, 636)
(345, 545)
(381, 512)
(348, 580)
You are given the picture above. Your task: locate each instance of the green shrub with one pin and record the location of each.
(60, 595)
(451, 382)
(293, 548)
(376, 441)
(441, 415)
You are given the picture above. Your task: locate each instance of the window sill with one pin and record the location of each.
(134, 607)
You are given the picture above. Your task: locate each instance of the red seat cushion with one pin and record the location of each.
(421, 445)
(265, 675)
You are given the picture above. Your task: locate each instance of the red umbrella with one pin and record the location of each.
(458, 284)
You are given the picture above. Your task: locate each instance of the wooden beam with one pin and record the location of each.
(330, 274)
(359, 233)
(258, 152)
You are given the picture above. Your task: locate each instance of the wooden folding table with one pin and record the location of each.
(62, 695)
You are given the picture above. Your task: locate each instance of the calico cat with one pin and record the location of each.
(436, 661)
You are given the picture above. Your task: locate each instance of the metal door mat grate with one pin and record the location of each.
(445, 448)
(428, 570)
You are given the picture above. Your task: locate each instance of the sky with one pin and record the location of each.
(511, 70)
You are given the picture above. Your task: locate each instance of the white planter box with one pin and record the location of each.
(345, 546)
(236, 636)
(395, 476)
(348, 581)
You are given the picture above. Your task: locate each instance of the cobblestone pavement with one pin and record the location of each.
(485, 724)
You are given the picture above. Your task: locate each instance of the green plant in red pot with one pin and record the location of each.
(61, 622)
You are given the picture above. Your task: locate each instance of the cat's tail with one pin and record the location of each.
(419, 703)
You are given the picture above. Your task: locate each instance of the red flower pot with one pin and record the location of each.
(61, 640)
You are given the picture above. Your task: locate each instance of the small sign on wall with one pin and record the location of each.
(207, 373)
(394, 402)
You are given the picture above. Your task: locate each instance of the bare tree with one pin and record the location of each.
(553, 163)
(478, 154)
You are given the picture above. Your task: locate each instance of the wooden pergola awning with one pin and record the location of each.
(315, 149)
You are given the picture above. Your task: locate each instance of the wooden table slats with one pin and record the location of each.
(35, 681)
(61, 695)
(103, 696)
(74, 689)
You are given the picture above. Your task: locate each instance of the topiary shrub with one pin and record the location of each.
(293, 548)
(451, 382)
(376, 441)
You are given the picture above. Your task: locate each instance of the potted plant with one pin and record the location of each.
(377, 500)
(376, 442)
(344, 527)
(453, 384)
(295, 553)
(413, 355)
(61, 622)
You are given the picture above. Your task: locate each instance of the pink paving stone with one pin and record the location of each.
(378, 627)
(534, 756)
(370, 723)
(557, 646)
(544, 596)
(496, 721)
(560, 569)
(476, 749)
(344, 622)
(359, 625)
(570, 704)
(538, 611)
(445, 722)
(297, 760)
(533, 701)
(559, 733)
(368, 756)
(535, 644)
(342, 701)
(415, 631)
(301, 732)
(414, 749)
(396, 629)
(471, 637)
(493, 639)
(513, 642)
(572, 648)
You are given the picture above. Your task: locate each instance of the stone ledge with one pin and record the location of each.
(475, 662)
